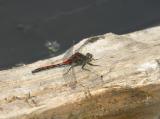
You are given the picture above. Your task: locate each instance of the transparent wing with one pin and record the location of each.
(91, 77)
(68, 72)
(89, 40)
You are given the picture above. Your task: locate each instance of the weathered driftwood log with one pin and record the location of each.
(125, 85)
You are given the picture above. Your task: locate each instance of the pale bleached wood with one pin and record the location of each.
(124, 86)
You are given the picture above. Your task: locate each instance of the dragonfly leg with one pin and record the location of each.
(68, 70)
(92, 64)
(94, 59)
(83, 67)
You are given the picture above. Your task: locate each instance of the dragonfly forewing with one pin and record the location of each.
(73, 74)
(69, 71)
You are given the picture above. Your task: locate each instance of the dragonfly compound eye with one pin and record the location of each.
(89, 55)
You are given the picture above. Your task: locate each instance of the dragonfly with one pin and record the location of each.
(77, 59)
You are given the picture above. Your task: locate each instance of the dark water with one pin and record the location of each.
(26, 25)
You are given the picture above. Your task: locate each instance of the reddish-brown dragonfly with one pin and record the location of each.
(77, 59)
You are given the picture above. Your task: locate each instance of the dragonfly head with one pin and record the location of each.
(89, 56)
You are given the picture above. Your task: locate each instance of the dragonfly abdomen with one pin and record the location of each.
(47, 67)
